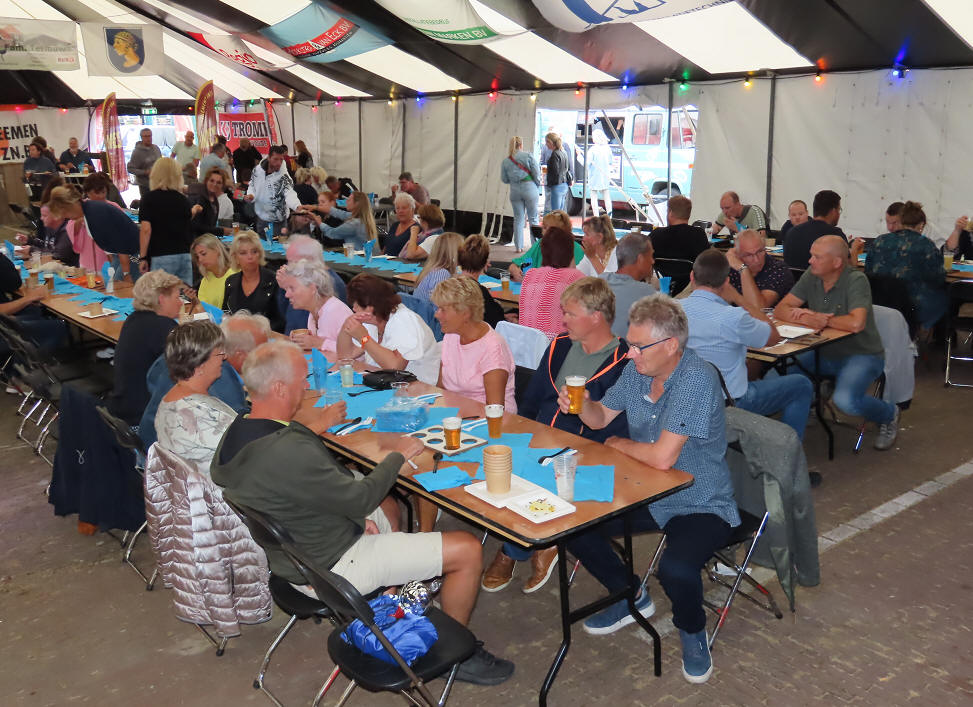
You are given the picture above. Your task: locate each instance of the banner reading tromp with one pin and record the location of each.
(450, 21)
(252, 126)
(38, 45)
(321, 35)
(111, 131)
(206, 117)
(580, 15)
(119, 49)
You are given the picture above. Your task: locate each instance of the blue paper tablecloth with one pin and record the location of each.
(514, 286)
(595, 483)
(963, 267)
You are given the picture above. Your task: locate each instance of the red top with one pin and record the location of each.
(540, 297)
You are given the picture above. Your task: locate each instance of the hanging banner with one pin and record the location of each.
(116, 167)
(232, 48)
(271, 122)
(37, 45)
(580, 15)
(450, 21)
(119, 49)
(206, 117)
(252, 126)
(321, 35)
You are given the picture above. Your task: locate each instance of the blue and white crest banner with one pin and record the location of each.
(581, 15)
(122, 49)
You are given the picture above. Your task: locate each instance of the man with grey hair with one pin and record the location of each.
(243, 332)
(675, 411)
(749, 261)
(303, 248)
(270, 462)
(144, 155)
(635, 263)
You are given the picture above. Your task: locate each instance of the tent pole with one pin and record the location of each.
(455, 161)
(403, 138)
(584, 157)
(293, 128)
(361, 174)
(669, 142)
(770, 143)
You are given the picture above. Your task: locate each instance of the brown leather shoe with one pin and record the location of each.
(542, 562)
(499, 574)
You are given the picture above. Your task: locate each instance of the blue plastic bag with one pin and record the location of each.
(412, 636)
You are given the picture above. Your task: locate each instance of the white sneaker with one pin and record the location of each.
(727, 571)
(887, 432)
(105, 354)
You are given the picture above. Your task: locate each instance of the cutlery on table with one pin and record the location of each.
(344, 427)
(467, 426)
(436, 458)
(547, 458)
(362, 392)
(367, 422)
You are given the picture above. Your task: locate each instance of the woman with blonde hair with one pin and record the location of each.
(359, 221)
(519, 169)
(254, 287)
(318, 178)
(441, 264)
(165, 232)
(558, 165)
(303, 186)
(211, 259)
(97, 229)
(532, 258)
(599, 172)
(599, 243)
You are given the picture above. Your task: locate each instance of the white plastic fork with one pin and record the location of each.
(473, 425)
(367, 422)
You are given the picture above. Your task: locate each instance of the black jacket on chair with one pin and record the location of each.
(263, 300)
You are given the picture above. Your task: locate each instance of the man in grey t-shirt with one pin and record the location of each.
(635, 261)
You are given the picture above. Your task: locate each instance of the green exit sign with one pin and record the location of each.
(149, 111)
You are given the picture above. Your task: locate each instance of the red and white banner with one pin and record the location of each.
(232, 48)
(206, 117)
(271, 122)
(252, 126)
(112, 134)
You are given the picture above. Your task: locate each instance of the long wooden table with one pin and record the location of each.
(103, 327)
(636, 485)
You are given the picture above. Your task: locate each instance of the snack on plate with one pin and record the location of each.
(541, 505)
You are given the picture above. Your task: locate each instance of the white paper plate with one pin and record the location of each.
(105, 312)
(491, 285)
(792, 332)
(540, 506)
(518, 487)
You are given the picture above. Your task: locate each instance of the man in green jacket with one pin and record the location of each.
(275, 465)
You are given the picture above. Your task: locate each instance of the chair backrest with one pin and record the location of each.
(124, 435)
(526, 343)
(677, 269)
(522, 378)
(796, 272)
(426, 310)
(892, 292)
(265, 531)
(337, 593)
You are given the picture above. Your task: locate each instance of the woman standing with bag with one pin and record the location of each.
(519, 170)
(557, 171)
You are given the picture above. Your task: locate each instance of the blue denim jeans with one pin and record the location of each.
(853, 375)
(523, 199)
(133, 268)
(789, 395)
(515, 552)
(180, 265)
(558, 193)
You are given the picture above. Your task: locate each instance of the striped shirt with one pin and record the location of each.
(540, 298)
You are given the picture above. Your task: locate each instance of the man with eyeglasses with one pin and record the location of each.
(771, 277)
(826, 210)
(674, 405)
(721, 333)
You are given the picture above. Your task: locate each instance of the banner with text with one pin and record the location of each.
(120, 50)
(38, 45)
(205, 117)
(580, 15)
(117, 169)
(232, 48)
(252, 126)
(271, 121)
(321, 35)
(450, 21)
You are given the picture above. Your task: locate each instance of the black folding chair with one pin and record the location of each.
(678, 270)
(959, 317)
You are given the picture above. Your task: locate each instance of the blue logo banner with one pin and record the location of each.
(321, 35)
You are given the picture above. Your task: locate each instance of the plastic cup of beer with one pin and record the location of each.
(948, 261)
(32, 280)
(349, 249)
(565, 469)
(90, 276)
(49, 282)
(494, 417)
(451, 432)
(95, 309)
(505, 283)
(575, 386)
(347, 372)
(46, 258)
(236, 229)
(497, 468)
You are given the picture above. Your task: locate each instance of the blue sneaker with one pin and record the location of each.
(616, 616)
(697, 663)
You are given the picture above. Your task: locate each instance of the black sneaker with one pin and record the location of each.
(484, 668)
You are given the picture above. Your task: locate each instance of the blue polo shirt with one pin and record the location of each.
(691, 405)
(720, 333)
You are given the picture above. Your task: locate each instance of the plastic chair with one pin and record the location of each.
(677, 269)
(958, 318)
(526, 343)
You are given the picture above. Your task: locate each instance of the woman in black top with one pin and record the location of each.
(142, 340)
(406, 226)
(254, 288)
(304, 158)
(557, 171)
(165, 234)
(208, 218)
(304, 186)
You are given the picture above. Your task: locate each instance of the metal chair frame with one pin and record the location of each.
(953, 325)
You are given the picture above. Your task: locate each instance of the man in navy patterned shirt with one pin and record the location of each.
(675, 411)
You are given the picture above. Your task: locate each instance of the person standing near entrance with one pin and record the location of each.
(521, 172)
(599, 173)
(557, 171)
(144, 155)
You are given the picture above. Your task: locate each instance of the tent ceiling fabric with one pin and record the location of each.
(834, 35)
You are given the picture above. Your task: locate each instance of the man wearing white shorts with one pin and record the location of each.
(341, 520)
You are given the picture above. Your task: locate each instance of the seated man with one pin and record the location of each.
(676, 419)
(269, 461)
(772, 277)
(412, 188)
(635, 262)
(678, 239)
(588, 348)
(739, 217)
(721, 334)
(826, 209)
(243, 332)
(837, 295)
(796, 215)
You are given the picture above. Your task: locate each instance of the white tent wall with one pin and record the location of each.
(876, 140)
(305, 128)
(382, 145)
(429, 146)
(337, 130)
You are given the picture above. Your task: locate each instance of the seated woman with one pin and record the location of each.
(190, 422)
(215, 205)
(441, 264)
(386, 332)
(358, 225)
(304, 186)
(406, 225)
(599, 243)
(532, 258)
(319, 177)
(308, 286)
(254, 287)
(474, 259)
(431, 221)
(211, 260)
(142, 340)
(540, 294)
(909, 256)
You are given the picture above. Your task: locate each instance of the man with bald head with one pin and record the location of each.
(739, 217)
(831, 293)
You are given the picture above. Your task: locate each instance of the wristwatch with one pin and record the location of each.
(742, 268)
(365, 339)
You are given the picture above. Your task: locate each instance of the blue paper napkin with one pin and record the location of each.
(10, 249)
(319, 369)
(594, 483)
(368, 248)
(664, 284)
(962, 267)
(104, 273)
(214, 313)
(445, 478)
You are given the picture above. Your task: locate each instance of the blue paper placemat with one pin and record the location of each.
(514, 286)
(595, 483)
(444, 478)
(962, 267)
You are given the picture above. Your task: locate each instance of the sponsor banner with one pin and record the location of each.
(252, 126)
(205, 117)
(232, 48)
(321, 35)
(38, 45)
(580, 15)
(15, 136)
(116, 167)
(120, 49)
(271, 122)
(450, 21)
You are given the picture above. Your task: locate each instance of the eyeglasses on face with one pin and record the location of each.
(635, 348)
